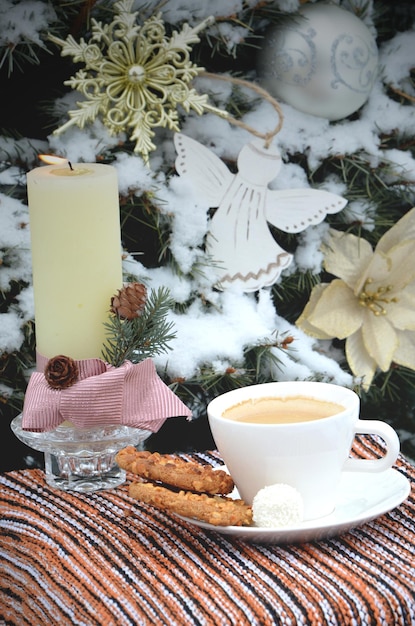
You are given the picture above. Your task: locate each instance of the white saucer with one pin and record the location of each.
(362, 496)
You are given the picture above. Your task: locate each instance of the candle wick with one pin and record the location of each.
(70, 166)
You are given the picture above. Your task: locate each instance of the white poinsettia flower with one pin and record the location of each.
(371, 302)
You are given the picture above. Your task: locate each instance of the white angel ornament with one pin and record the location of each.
(239, 240)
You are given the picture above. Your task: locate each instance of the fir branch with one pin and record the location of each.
(258, 365)
(292, 293)
(16, 56)
(146, 230)
(389, 384)
(142, 337)
(262, 359)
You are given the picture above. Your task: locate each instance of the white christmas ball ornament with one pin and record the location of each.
(324, 63)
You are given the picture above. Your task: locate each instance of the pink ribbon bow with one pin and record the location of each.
(132, 395)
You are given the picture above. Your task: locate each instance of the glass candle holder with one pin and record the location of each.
(81, 459)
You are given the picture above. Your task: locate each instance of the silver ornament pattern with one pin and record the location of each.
(323, 64)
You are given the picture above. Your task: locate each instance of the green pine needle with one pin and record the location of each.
(142, 337)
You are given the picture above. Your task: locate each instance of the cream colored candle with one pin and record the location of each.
(76, 255)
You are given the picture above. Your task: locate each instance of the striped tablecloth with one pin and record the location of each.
(102, 559)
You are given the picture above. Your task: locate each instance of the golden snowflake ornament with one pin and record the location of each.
(134, 76)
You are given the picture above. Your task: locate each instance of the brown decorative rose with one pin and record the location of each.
(129, 301)
(61, 372)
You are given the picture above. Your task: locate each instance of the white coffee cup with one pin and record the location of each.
(308, 455)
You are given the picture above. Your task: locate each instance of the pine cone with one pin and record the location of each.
(129, 301)
(61, 372)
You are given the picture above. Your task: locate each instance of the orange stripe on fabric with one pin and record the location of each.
(102, 558)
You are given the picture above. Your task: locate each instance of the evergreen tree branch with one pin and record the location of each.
(144, 336)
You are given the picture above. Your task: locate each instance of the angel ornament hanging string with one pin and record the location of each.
(239, 241)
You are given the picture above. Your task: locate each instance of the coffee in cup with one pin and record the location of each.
(287, 410)
(308, 450)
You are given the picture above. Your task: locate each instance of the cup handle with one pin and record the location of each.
(390, 437)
